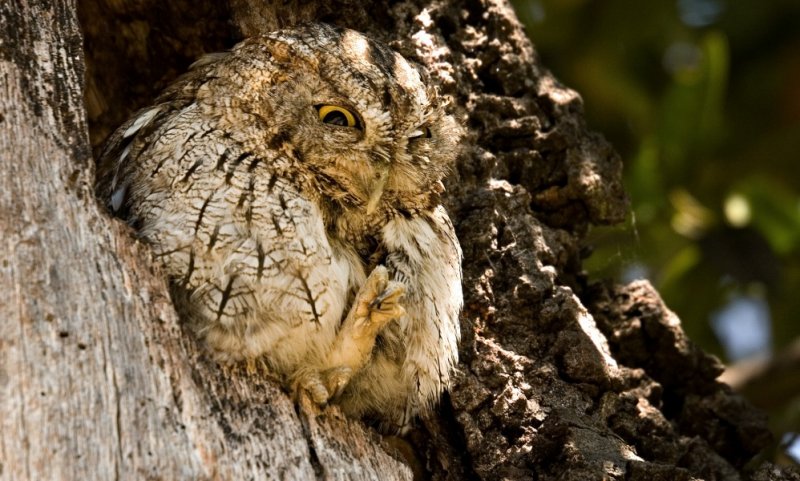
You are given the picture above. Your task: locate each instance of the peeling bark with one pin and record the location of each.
(559, 378)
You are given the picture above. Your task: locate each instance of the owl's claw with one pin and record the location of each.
(392, 293)
(308, 383)
(378, 302)
(258, 366)
(386, 306)
(336, 380)
(250, 367)
(321, 387)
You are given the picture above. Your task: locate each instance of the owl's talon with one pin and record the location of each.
(307, 405)
(309, 383)
(336, 380)
(386, 306)
(392, 293)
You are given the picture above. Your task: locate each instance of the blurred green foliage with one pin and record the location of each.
(702, 100)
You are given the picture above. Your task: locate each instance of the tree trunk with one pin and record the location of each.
(559, 379)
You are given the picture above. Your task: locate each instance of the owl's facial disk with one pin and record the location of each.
(343, 117)
(364, 121)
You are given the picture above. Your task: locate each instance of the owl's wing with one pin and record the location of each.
(245, 250)
(117, 158)
(423, 253)
(114, 163)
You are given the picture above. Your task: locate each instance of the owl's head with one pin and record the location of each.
(356, 115)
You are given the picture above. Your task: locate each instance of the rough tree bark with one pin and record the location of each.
(560, 379)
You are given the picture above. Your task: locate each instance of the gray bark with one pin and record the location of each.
(559, 379)
(97, 380)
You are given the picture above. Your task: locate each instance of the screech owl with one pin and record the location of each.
(290, 189)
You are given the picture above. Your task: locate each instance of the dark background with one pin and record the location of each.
(702, 100)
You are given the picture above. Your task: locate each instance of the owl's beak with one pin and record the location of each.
(377, 192)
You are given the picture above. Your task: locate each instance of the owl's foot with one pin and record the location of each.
(308, 384)
(336, 379)
(386, 306)
(377, 304)
(321, 386)
(250, 367)
(255, 366)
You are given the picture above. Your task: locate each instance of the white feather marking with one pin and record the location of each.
(124, 154)
(141, 121)
(118, 197)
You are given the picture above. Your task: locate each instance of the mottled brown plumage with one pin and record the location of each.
(290, 188)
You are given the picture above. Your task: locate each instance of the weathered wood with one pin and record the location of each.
(97, 381)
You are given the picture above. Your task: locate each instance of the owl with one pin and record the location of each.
(290, 188)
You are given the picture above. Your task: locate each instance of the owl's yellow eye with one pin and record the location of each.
(335, 115)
